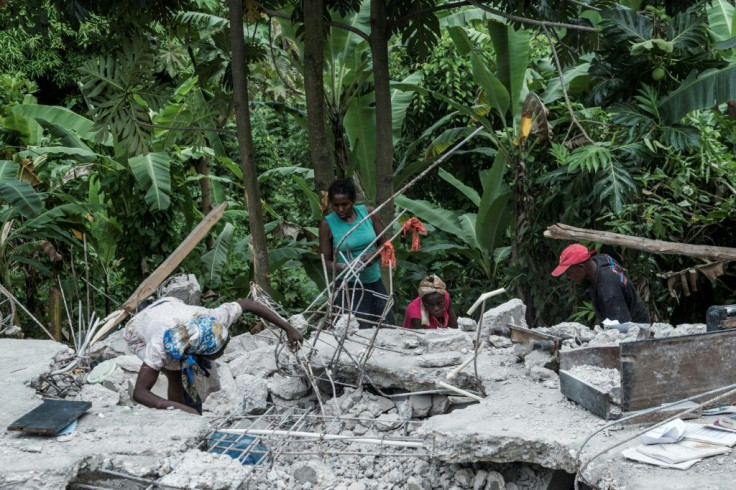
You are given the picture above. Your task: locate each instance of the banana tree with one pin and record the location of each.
(506, 114)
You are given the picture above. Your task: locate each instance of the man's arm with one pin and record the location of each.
(142, 393)
(258, 309)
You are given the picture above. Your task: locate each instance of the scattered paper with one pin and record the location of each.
(709, 434)
(635, 455)
(664, 434)
(682, 451)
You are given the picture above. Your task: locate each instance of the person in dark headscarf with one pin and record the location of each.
(432, 309)
(180, 340)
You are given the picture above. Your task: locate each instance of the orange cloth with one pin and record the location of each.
(388, 256)
(416, 227)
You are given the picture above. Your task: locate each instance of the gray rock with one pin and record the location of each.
(184, 287)
(512, 311)
(260, 362)
(415, 483)
(479, 481)
(495, 481)
(299, 323)
(288, 387)
(499, 341)
(98, 395)
(314, 472)
(440, 359)
(542, 374)
(388, 421)
(463, 477)
(467, 324)
(420, 405)
(253, 393)
(440, 404)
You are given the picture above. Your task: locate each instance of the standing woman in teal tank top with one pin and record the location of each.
(369, 302)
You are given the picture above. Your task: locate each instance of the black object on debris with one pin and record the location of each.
(50, 417)
(720, 317)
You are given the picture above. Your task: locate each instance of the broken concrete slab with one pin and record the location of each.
(46, 462)
(288, 387)
(390, 364)
(202, 470)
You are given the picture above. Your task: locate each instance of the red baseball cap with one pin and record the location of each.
(574, 254)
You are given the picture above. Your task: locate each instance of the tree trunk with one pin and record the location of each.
(314, 89)
(245, 145)
(55, 312)
(564, 232)
(384, 136)
(202, 165)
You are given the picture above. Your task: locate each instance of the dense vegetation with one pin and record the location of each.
(120, 128)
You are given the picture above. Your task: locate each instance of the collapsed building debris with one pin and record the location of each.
(354, 409)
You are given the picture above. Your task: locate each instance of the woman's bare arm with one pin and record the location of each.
(142, 393)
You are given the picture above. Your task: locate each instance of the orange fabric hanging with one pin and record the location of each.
(388, 256)
(416, 227)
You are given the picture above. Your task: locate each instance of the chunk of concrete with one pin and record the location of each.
(512, 311)
(467, 324)
(253, 393)
(299, 323)
(288, 387)
(447, 339)
(388, 421)
(440, 405)
(440, 359)
(313, 472)
(206, 471)
(420, 405)
(184, 287)
(99, 395)
(260, 362)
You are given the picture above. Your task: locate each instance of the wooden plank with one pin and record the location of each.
(525, 336)
(50, 417)
(149, 285)
(562, 231)
(657, 371)
(585, 395)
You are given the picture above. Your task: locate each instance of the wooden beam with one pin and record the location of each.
(562, 231)
(149, 285)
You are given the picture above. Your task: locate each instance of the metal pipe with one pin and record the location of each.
(321, 436)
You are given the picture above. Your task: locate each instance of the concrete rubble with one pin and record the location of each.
(524, 434)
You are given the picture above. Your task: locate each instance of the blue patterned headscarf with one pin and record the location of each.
(202, 335)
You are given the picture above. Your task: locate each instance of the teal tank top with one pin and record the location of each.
(356, 242)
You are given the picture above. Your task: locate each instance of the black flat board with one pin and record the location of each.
(50, 417)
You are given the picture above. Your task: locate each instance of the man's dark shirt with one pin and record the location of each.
(613, 295)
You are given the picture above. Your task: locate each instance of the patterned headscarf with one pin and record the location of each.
(430, 284)
(202, 335)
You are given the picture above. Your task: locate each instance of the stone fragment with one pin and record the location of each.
(463, 477)
(98, 395)
(253, 393)
(388, 421)
(500, 342)
(467, 324)
(542, 374)
(495, 481)
(314, 472)
(184, 287)
(538, 358)
(420, 405)
(288, 387)
(440, 404)
(479, 481)
(260, 362)
(415, 483)
(440, 359)
(512, 311)
(342, 323)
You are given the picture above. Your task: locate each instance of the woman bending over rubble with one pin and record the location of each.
(367, 295)
(180, 340)
(432, 309)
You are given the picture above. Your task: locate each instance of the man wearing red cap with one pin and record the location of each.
(612, 294)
